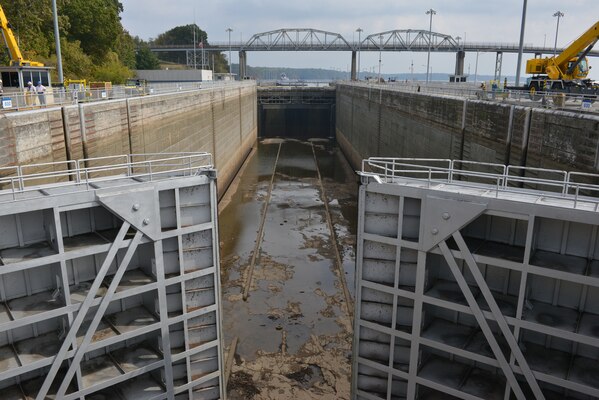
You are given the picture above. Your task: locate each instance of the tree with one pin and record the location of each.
(184, 35)
(181, 35)
(126, 49)
(145, 59)
(95, 23)
(112, 70)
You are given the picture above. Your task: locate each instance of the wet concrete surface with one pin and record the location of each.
(294, 332)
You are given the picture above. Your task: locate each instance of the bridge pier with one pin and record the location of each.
(354, 75)
(458, 75)
(498, 62)
(242, 65)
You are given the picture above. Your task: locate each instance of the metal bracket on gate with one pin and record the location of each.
(138, 207)
(444, 217)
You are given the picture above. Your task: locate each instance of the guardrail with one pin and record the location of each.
(59, 96)
(544, 99)
(497, 178)
(141, 167)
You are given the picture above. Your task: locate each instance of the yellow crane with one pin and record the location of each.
(16, 57)
(568, 70)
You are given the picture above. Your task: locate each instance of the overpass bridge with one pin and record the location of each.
(307, 39)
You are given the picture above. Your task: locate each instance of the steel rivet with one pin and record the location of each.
(434, 231)
(136, 207)
(146, 221)
(445, 216)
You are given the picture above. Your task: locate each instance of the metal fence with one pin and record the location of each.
(60, 96)
(139, 167)
(496, 178)
(546, 99)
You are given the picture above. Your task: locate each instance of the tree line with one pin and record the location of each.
(94, 44)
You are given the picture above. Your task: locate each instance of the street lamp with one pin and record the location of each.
(557, 14)
(430, 12)
(521, 44)
(359, 30)
(57, 41)
(380, 55)
(229, 30)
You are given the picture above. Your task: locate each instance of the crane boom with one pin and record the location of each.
(589, 38)
(571, 64)
(16, 57)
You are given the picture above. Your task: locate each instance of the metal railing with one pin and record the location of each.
(83, 173)
(544, 99)
(494, 178)
(56, 97)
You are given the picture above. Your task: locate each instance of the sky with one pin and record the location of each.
(474, 20)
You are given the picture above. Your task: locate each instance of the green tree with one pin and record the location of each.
(95, 23)
(112, 70)
(126, 48)
(184, 35)
(145, 59)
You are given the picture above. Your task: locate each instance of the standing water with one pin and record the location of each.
(287, 228)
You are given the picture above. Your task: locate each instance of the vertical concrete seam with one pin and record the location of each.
(525, 137)
(82, 130)
(66, 131)
(129, 126)
(213, 126)
(463, 130)
(240, 120)
(508, 139)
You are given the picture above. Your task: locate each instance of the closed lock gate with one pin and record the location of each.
(475, 281)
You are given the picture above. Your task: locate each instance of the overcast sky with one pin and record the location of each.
(476, 20)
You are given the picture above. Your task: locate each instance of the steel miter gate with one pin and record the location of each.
(109, 279)
(476, 281)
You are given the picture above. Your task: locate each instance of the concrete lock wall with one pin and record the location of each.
(373, 122)
(221, 121)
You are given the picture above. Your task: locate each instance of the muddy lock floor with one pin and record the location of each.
(287, 228)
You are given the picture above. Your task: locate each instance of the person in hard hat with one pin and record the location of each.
(30, 94)
(41, 93)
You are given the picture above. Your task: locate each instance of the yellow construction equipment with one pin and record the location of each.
(16, 57)
(568, 70)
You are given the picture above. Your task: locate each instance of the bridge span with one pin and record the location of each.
(396, 40)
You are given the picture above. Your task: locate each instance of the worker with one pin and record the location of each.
(504, 83)
(41, 93)
(30, 94)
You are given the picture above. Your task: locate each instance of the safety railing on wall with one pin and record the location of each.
(134, 167)
(495, 178)
(544, 99)
(59, 96)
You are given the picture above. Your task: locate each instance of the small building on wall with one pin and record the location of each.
(15, 78)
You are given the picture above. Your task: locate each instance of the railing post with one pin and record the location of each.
(21, 180)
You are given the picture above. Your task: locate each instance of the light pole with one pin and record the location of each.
(359, 30)
(521, 44)
(229, 30)
(380, 55)
(57, 40)
(430, 12)
(458, 39)
(557, 14)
